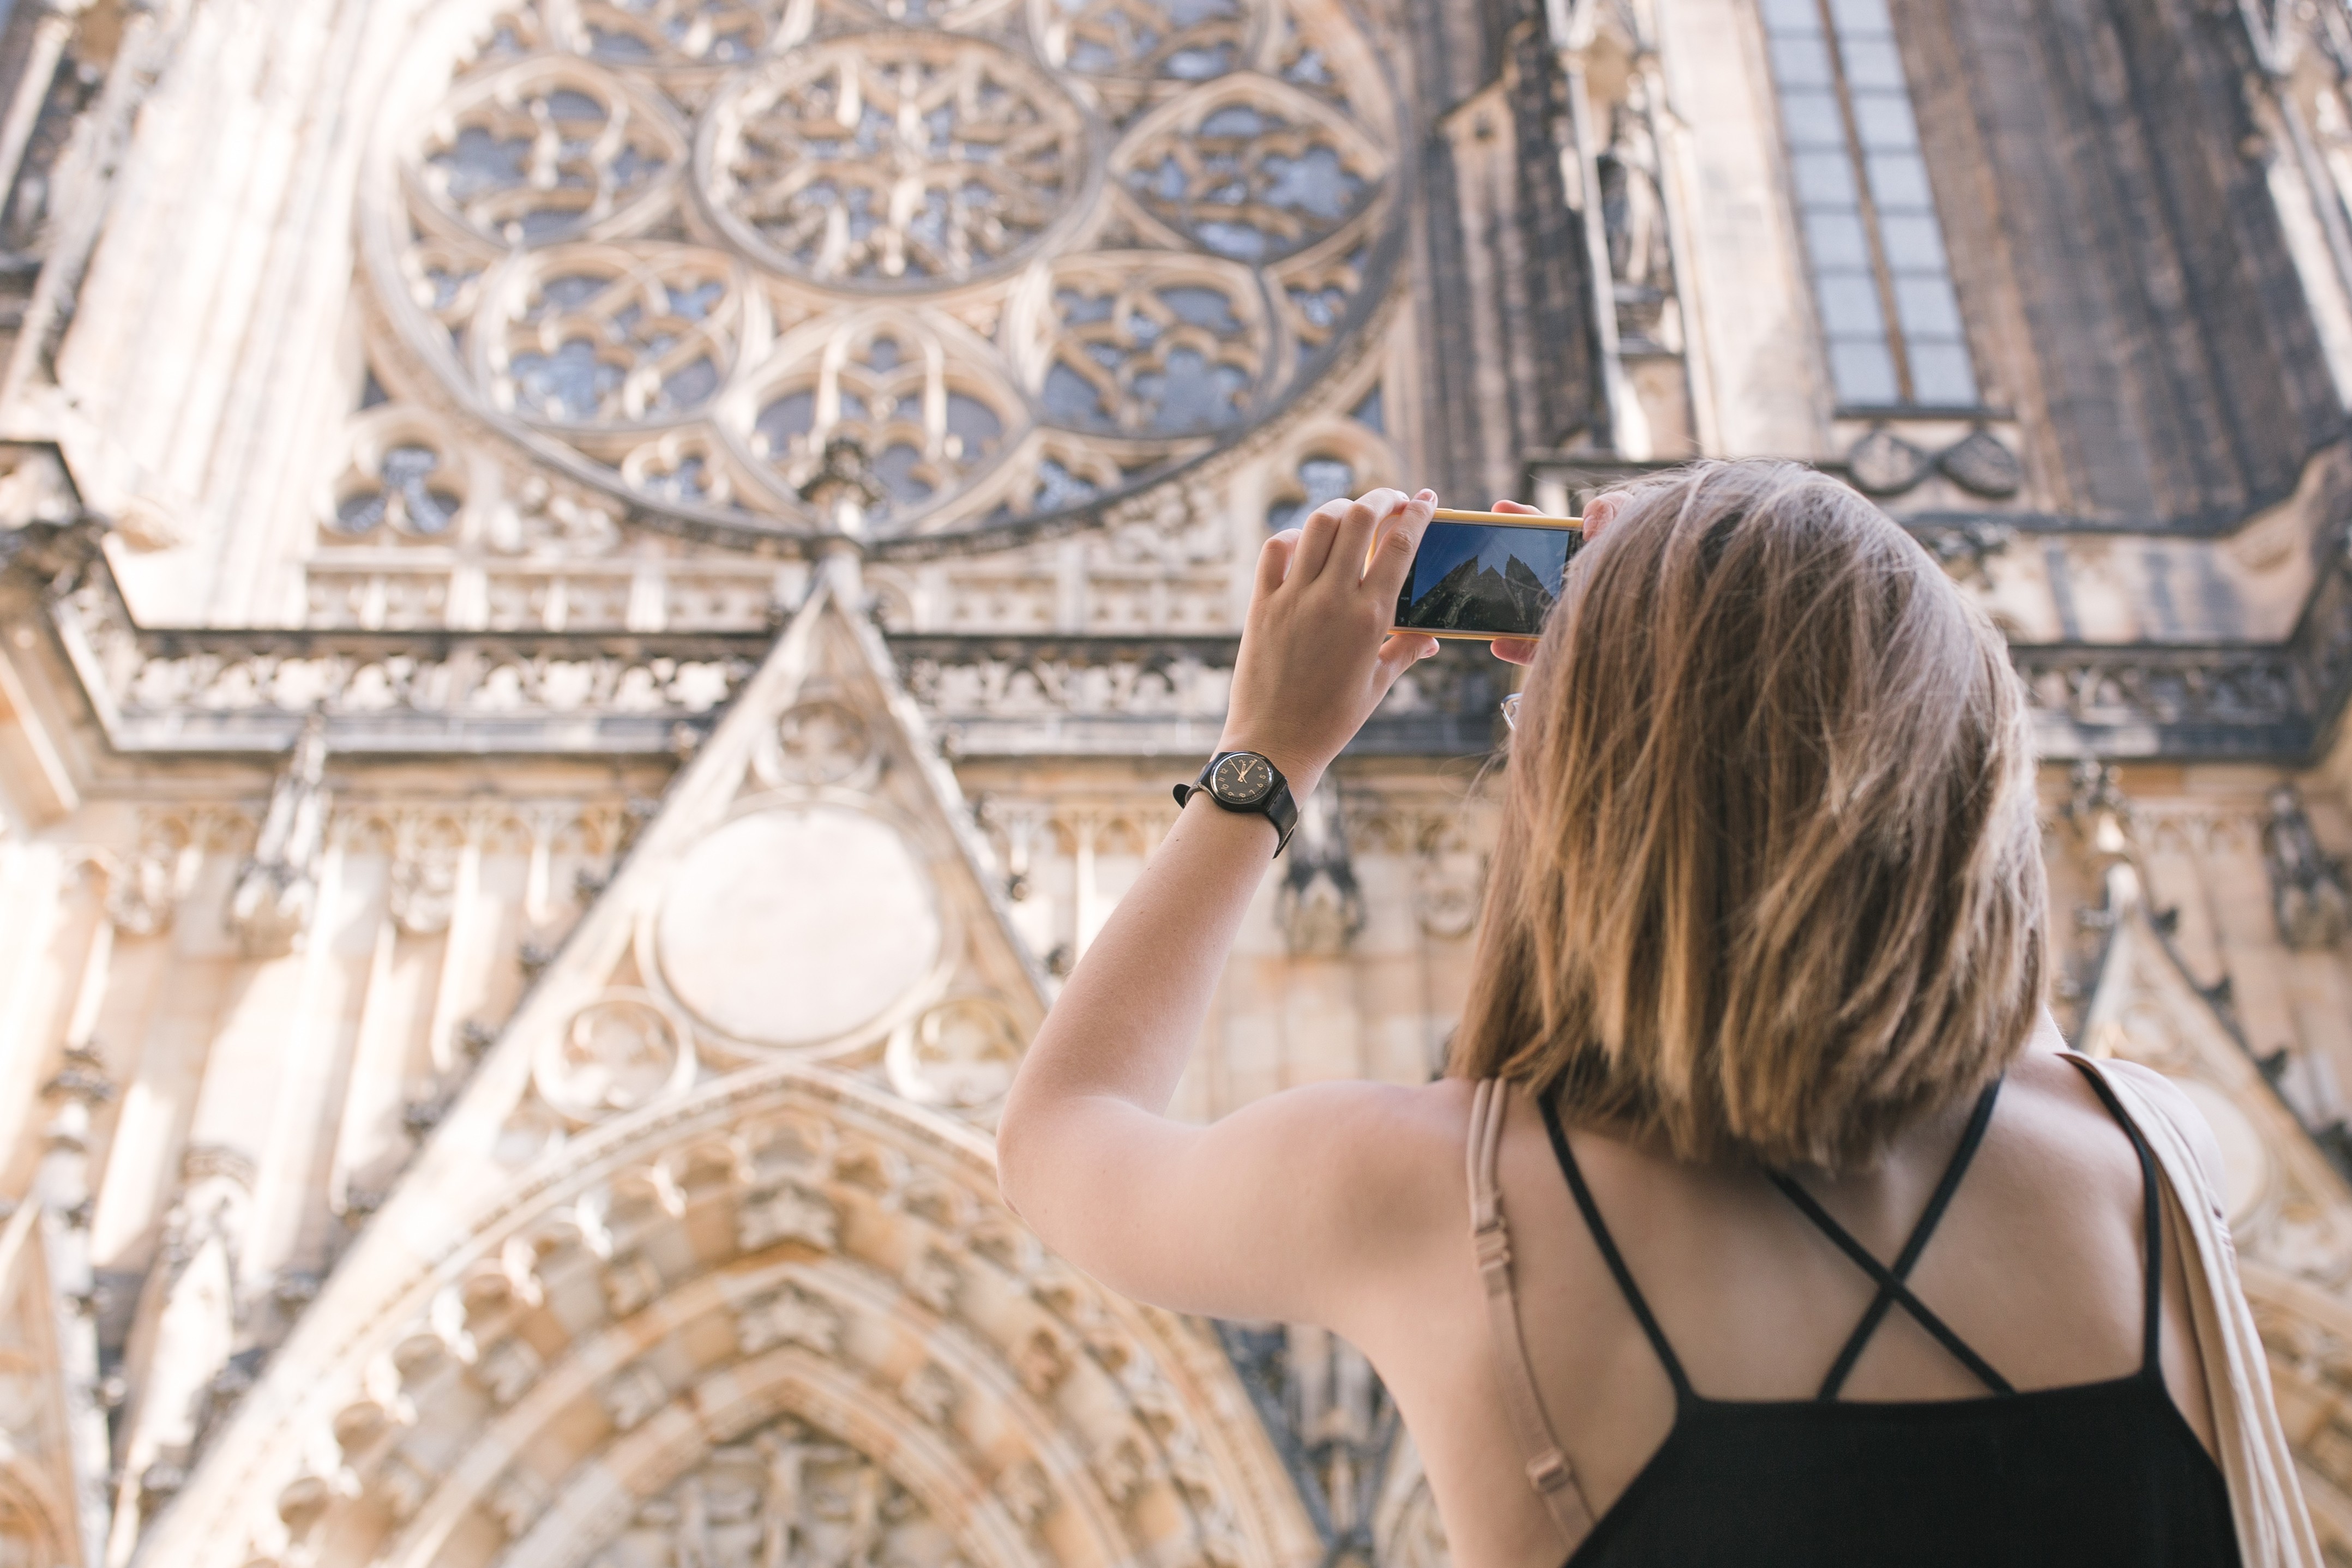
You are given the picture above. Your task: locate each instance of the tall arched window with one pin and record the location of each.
(1875, 246)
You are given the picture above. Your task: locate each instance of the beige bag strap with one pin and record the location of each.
(2265, 1490)
(1546, 1467)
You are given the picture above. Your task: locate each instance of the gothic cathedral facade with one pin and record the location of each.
(598, 597)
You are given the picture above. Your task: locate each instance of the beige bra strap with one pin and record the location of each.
(1546, 1467)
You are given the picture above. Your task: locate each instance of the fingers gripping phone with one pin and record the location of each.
(1486, 574)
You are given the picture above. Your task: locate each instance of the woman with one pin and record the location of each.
(1761, 975)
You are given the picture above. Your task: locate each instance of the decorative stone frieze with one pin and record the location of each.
(180, 688)
(2142, 701)
(427, 692)
(1108, 695)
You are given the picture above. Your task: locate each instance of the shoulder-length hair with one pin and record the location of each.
(1769, 881)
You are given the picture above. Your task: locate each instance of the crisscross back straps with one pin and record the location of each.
(1611, 1255)
(1547, 1468)
(2151, 1215)
(1893, 1287)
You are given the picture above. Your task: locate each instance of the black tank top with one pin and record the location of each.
(2079, 1477)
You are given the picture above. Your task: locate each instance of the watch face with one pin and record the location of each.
(1242, 778)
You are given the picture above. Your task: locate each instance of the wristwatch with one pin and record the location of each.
(1246, 782)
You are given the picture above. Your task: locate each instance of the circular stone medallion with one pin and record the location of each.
(621, 1052)
(796, 925)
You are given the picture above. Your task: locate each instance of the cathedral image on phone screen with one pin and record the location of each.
(1484, 577)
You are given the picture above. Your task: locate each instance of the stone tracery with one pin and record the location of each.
(1114, 233)
(898, 161)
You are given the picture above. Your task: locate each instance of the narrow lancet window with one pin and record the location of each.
(1880, 276)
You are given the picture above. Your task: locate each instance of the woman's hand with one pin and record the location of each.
(1597, 513)
(1314, 657)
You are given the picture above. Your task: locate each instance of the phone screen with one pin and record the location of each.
(1485, 580)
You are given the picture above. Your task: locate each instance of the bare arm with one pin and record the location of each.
(1267, 1212)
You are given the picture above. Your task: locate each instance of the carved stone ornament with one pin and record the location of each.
(1883, 464)
(795, 927)
(1448, 885)
(789, 1316)
(271, 901)
(694, 1340)
(418, 691)
(965, 157)
(623, 1050)
(2307, 890)
(816, 743)
(401, 483)
(1967, 549)
(788, 1495)
(2287, 1203)
(422, 891)
(1318, 906)
(709, 258)
(1979, 461)
(140, 897)
(961, 1054)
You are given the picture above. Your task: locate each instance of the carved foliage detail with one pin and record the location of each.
(789, 1316)
(620, 1052)
(788, 1493)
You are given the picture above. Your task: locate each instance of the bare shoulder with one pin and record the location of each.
(2146, 1081)
(2177, 1108)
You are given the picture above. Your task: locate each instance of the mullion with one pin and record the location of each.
(1866, 204)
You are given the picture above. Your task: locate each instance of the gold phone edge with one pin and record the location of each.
(1507, 519)
(1462, 636)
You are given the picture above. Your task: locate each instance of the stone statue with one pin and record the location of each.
(1633, 218)
(780, 1500)
(1319, 906)
(278, 883)
(2308, 892)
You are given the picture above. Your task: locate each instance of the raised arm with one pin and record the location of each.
(1272, 1211)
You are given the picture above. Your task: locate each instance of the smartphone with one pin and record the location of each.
(1486, 574)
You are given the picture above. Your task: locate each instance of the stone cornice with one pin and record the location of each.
(433, 692)
(2193, 703)
(1129, 697)
(427, 691)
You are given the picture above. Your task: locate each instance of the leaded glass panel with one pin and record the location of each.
(1882, 281)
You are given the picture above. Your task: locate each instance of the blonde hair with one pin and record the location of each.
(1769, 880)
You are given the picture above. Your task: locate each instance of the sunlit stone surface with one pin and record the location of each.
(796, 925)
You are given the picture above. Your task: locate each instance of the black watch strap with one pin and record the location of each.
(1276, 805)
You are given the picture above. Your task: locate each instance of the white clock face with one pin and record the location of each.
(1242, 778)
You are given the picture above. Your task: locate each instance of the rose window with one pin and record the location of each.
(917, 270)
